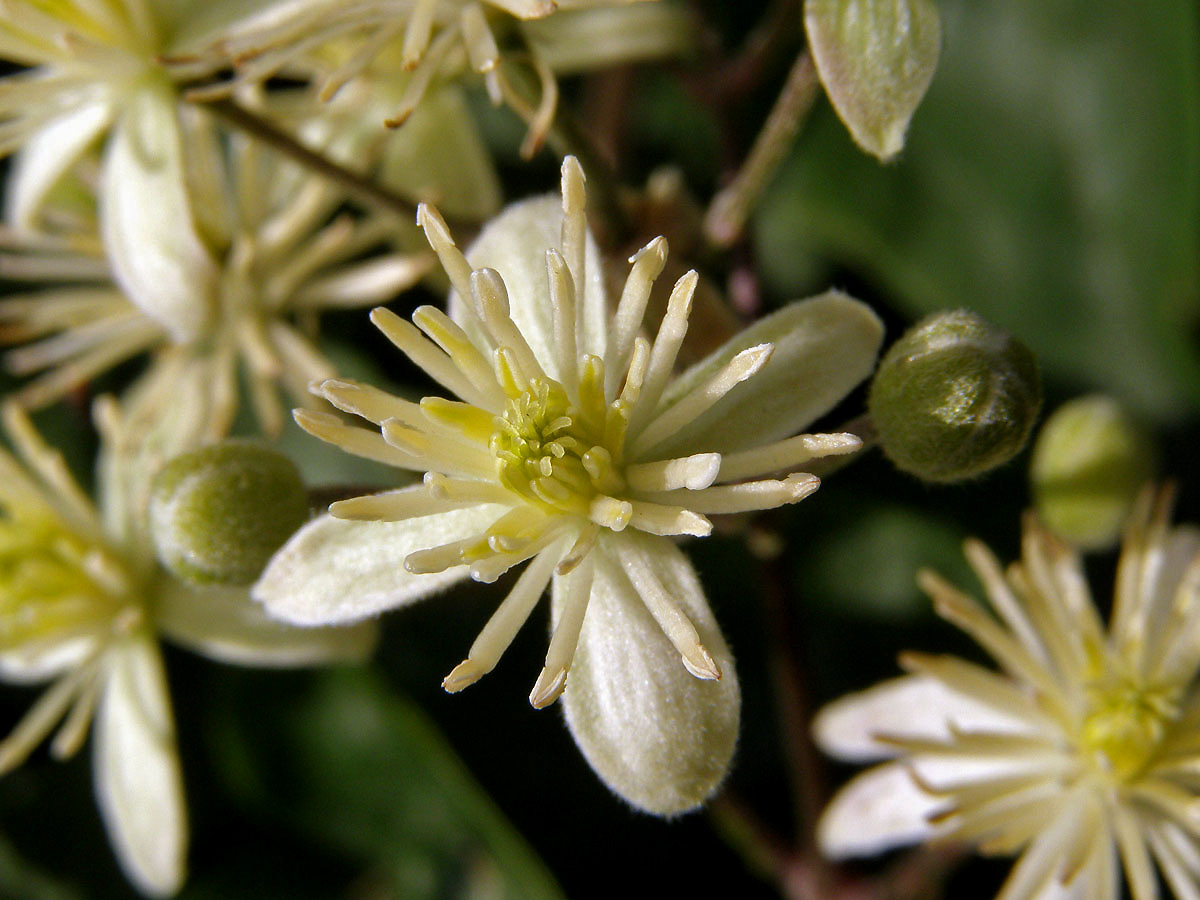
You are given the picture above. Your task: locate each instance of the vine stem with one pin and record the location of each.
(731, 207)
(357, 186)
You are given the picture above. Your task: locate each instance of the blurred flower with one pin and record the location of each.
(415, 43)
(1081, 755)
(573, 448)
(280, 253)
(81, 604)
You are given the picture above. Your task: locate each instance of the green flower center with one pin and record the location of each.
(53, 584)
(1126, 723)
(545, 451)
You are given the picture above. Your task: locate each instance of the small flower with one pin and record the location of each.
(1080, 755)
(335, 42)
(81, 605)
(282, 251)
(573, 448)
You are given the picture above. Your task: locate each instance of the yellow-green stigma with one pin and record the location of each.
(1126, 723)
(53, 585)
(546, 452)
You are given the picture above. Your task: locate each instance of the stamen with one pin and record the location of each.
(504, 624)
(441, 454)
(656, 518)
(416, 35)
(701, 398)
(448, 335)
(785, 454)
(482, 52)
(562, 303)
(451, 258)
(752, 495)
(367, 401)
(574, 227)
(491, 302)
(358, 441)
(469, 421)
(422, 75)
(648, 264)
(565, 637)
(666, 347)
(691, 472)
(666, 612)
(409, 341)
(610, 513)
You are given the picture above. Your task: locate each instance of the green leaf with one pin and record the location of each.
(876, 59)
(361, 769)
(1050, 184)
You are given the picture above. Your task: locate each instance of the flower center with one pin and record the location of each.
(546, 452)
(53, 585)
(1126, 723)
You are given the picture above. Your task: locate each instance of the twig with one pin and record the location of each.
(357, 186)
(730, 208)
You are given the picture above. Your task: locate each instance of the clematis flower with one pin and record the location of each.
(417, 43)
(82, 605)
(1080, 754)
(281, 253)
(574, 449)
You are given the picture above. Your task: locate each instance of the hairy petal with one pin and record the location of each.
(139, 787)
(334, 571)
(658, 736)
(824, 347)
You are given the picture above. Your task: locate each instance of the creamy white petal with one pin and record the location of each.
(514, 244)
(878, 810)
(224, 624)
(334, 571)
(48, 153)
(658, 736)
(157, 257)
(138, 783)
(915, 706)
(824, 347)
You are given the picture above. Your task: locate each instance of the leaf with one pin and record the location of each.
(362, 769)
(1049, 184)
(876, 59)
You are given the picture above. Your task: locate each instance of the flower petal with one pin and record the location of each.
(138, 783)
(824, 346)
(224, 624)
(915, 706)
(150, 236)
(48, 153)
(514, 244)
(658, 736)
(334, 571)
(878, 810)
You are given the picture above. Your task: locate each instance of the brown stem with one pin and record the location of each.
(355, 185)
(731, 207)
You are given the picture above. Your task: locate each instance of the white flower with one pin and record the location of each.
(1081, 754)
(415, 43)
(575, 449)
(81, 604)
(281, 253)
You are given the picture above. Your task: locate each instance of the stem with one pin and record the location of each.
(354, 184)
(726, 217)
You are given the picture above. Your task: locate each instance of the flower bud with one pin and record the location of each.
(218, 513)
(1089, 462)
(954, 397)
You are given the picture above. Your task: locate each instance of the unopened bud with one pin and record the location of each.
(1089, 462)
(217, 514)
(954, 397)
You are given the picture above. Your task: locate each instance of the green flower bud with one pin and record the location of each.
(217, 514)
(1089, 462)
(954, 397)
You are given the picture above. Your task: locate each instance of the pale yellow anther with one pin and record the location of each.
(610, 512)
(482, 51)
(574, 224)
(648, 264)
(439, 237)
(418, 32)
(548, 687)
